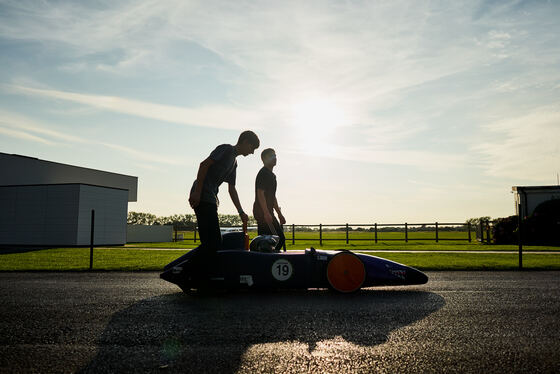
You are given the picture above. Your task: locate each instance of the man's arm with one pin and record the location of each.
(235, 198)
(194, 198)
(277, 208)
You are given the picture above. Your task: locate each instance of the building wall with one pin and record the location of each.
(39, 215)
(60, 215)
(110, 207)
(149, 234)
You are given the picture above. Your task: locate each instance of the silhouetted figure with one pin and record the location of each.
(219, 167)
(265, 200)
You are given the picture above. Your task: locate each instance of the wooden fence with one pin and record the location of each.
(482, 231)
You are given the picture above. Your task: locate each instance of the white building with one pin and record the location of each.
(48, 203)
(532, 196)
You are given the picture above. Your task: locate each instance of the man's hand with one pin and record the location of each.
(282, 219)
(244, 218)
(194, 199)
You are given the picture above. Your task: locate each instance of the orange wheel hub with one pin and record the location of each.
(346, 272)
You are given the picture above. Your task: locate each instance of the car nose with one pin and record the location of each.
(414, 276)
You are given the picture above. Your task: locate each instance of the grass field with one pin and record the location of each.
(132, 258)
(363, 236)
(129, 259)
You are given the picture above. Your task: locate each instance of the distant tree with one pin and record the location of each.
(138, 218)
(184, 221)
(504, 230)
(476, 221)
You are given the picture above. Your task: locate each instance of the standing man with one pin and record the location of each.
(265, 199)
(219, 167)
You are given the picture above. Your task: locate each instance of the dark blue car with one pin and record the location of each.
(342, 271)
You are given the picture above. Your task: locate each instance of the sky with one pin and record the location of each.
(379, 111)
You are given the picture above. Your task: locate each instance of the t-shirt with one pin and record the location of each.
(266, 180)
(222, 170)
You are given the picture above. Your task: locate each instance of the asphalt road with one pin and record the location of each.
(134, 322)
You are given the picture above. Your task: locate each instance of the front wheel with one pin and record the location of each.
(346, 272)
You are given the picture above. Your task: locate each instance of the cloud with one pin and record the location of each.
(21, 127)
(18, 134)
(524, 147)
(20, 122)
(215, 116)
(141, 155)
(365, 57)
(402, 157)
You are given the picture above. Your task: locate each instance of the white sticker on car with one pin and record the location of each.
(282, 270)
(246, 279)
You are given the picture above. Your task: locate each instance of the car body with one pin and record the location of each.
(343, 271)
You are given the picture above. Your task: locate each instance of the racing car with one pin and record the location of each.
(234, 267)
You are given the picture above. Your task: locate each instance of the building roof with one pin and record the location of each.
(535, 188)
(24, 170)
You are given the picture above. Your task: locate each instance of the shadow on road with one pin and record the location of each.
(182, 333)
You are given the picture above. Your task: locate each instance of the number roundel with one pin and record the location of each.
(282, 269)
(346, 272)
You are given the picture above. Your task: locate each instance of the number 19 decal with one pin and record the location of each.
(282, 270)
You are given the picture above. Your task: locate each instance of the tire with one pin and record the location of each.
(346, 273)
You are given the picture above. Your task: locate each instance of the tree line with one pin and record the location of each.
(184, 221)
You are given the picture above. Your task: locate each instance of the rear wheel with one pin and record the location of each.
(346, 272)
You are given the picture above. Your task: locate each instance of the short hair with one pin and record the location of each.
(266, 152)
(249, 136)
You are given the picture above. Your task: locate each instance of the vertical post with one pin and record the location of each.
(437, 232)
(195, 233)
(320, 234)
(406, 232)
(488, 231)
(469, 228)
(91, 239)
(293, 234)
(346, 233)
(376, 233)
(175, 229)
(520, 235)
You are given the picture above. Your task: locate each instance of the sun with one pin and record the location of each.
(315, 121)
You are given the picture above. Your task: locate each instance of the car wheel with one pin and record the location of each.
(346, 272)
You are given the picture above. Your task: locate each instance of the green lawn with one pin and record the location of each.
(126, 259)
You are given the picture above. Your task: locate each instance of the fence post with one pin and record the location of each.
(91, 239)
(320, 234)
(293, 234)
(520, 237)
(488, 231)
(195, 233)
(406, 232)
(469, 228)
(376, 233)
(437, 233)
(346, 233)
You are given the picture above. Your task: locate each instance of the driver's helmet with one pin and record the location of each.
(264, 243)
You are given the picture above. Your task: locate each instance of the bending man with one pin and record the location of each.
(219, 167)
(265, 199)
